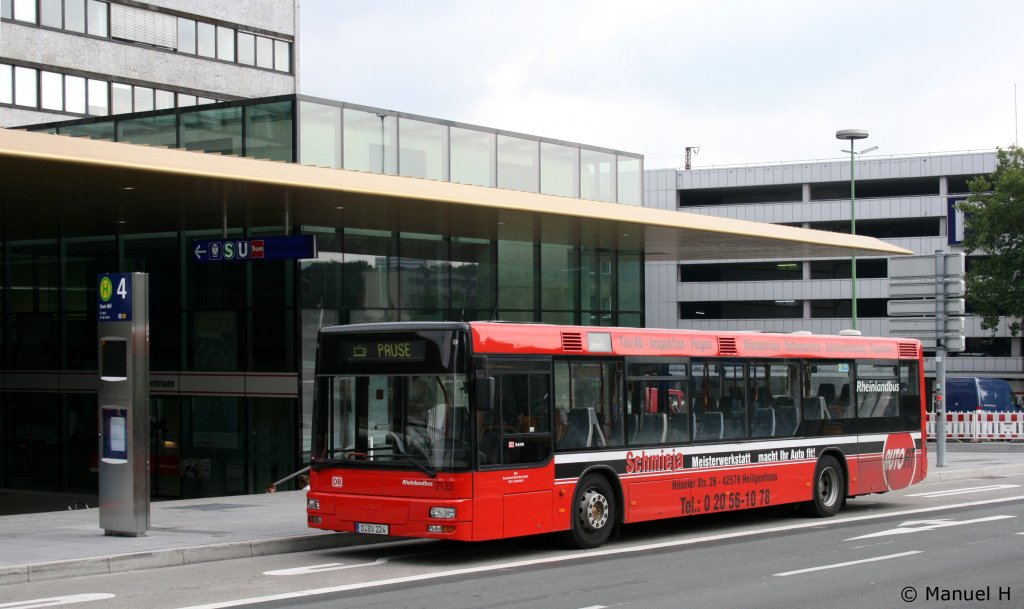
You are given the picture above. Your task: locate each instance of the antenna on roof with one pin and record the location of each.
(691, 151)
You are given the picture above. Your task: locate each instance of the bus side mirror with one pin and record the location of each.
(484, 393)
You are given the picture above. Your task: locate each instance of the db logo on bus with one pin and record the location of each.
(898, 461)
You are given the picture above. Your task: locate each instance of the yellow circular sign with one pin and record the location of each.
(106, 289)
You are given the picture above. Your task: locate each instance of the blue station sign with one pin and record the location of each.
(114, 297)
(286, 247)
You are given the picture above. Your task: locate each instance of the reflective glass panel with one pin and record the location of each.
(97, 15)
(99, 104)
(423, 268)
(215, 130)
(369, 141)
(515, 276)
(186, 101)
(559, 170)
(559, 276)
(268, 131)
(423, 148)
(74, 15)
(518, 164)
(25, 92)
(52, 91)
(319, 135)
(225, 43)
(630, 181)
(50, 13)
(6, 10)
(473, 278)
(186, 36)
(6, 84)
(630, 280)
(97, 131)
(121, 98)
(25, 10)
(143, 99)
(206, 40)
(282, 56)
(74, 94)
(264, 53)
(369, 282)
(164, 99)
(472, 156)
(150, 131)
(246, 49)
(597, 175)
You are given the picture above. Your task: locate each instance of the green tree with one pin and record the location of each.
(994, 229)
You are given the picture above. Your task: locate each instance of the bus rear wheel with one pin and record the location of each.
(829, 489)
(593, 512)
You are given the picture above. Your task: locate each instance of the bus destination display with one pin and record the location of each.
(385, 351)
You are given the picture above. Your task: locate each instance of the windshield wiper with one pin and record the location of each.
(420, 465)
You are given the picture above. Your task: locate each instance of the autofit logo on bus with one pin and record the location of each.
(655, 462)
(898, 461)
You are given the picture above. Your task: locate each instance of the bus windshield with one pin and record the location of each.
(396, 421)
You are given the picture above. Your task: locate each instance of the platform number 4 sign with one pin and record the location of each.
(114, 297)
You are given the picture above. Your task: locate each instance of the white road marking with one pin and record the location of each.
(58, 600)
(847, 564)
(815, 523)
(331, 566)
(927, 525)
(964, 491)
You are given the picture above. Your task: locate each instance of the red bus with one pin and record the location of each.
(488, 430)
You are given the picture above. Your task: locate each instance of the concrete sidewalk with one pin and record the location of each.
(53, 545)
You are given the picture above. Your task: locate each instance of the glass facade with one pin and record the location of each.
(338, 135)
(232, 345)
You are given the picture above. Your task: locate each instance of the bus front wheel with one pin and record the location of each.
(829, 489)
(593, 516)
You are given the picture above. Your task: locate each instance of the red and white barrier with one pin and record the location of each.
(978, 426)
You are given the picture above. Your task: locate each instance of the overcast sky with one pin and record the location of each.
(746, 81)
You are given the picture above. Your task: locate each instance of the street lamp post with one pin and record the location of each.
(853, 134)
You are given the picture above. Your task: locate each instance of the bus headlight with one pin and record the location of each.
(445, 513)
(312, 504)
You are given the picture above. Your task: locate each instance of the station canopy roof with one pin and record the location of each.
(59, 186)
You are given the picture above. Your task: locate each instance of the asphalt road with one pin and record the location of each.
(935, 542)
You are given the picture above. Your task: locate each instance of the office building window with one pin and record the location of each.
(26, 92)
(6, 84)
(50, 13)
(186, 36)
(282, 56)
(246, 49)
(121, 98)
(25, 10)
(206, 40)
(74, 94)
(143, 99)
(99, 98)
(98, 19)
(163, 100)
(74, 15)
(264, 53)
(225, 43)
(52, 89)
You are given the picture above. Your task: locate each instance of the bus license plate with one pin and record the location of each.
(372, 529)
